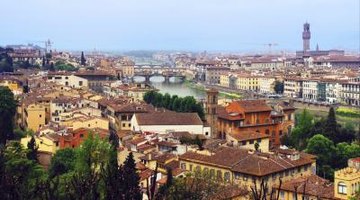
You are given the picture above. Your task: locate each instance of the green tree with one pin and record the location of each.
(7, 113)
(113, 177)
(32, 149)
(166, 100)
(199, 142)
(21, 175)
(82, 60)
(324, 149)
(62, 162)
(91, 157)
(6, 63)
(302, 131)
(131, 188)
(279, 87)
(331, 129)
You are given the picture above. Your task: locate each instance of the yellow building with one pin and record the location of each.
(35, 116)
(245, 82)
(241, 167)
(224, 80)
(248, 140)
(311, 187)
(45, 142)
(86, 122)
(347, 180)
(13, 85)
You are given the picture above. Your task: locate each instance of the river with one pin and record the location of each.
(174, 87)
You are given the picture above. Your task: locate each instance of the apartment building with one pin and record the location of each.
(267, 85)
(350, 93)
(293, 87)
(241, 167)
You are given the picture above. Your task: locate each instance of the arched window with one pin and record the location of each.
(197, 168)
(219, 175)
(227, 176)
(342, 188)
(212, 173)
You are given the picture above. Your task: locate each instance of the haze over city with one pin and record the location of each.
(212, 25)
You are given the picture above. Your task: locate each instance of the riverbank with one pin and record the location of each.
(222, 93)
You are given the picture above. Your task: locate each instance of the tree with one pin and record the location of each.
(91, 157)
(62, 162)
(131, 188)
(32, 149)
(324, 149)
(279, 87)
(20, 175)
(331, 129)
(256, 146)
(302, 131)
(198, 185)
(199, 142)
(6, 63)
(7, 113)
(113, 177)
(82, 60)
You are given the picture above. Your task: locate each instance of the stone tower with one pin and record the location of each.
(306, 35)
(211, 110)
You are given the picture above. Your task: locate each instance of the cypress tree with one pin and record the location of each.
(32, 149)
(331, 129)
(131, 188)
(7, 113)
(83, 60)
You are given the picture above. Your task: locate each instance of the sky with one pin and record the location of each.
(195, 25)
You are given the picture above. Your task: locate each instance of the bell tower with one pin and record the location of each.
(306, 35)
(211, 110)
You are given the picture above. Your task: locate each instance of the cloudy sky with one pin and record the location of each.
(213, 25)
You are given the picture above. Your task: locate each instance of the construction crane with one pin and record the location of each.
(270, 45)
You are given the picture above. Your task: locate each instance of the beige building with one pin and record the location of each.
(267, 85)
(347, 180)
(242, 167)
(293, 87)
(69, 80)
(249, 140)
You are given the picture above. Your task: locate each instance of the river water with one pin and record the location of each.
(174, 87)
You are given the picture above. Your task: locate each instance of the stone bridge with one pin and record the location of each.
(166, 74)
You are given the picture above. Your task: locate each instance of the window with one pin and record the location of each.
(197, 168)
(183, 166)
(219, 175)
(227, 176)
(243, 143)
(81, 135)
(212, 173)
(40, 116)
(123, 125)
(80, 83)
(342, 188)
(282, 195)
(251, 142)
(258, 141)
(267, 131)
(191, 167)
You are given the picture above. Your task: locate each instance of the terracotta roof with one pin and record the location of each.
(246, 162)
(248, 106)
(168, 118)
(145, 174)
(314, 186)
(248, 135)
